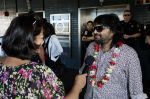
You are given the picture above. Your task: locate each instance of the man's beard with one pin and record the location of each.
(99, 41)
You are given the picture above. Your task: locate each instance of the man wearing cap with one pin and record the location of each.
(131, 29)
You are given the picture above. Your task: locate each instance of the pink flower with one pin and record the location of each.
(47, 94)
(44, 82)
(94, 76)
(92, 67)
(38, 83)
(119, 43)
(112, 63)
(115, 55)
(56, 87)
(25, 75)
(96, 47)
(105, 78)
(99, 84)
(30, 72)
(21, 71)
(14, 90)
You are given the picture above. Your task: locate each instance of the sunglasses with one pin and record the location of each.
(100, 28)
(126, 15)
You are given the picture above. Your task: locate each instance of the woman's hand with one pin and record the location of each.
(80, 81)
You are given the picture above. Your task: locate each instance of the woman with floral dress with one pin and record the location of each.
(21, 78)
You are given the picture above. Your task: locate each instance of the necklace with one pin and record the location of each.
(109, 69)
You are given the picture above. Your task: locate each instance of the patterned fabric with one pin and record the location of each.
(125, 80)
(29, 81)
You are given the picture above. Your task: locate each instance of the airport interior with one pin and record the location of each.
(69, 19)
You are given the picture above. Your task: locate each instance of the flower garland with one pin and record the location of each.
(109, 69)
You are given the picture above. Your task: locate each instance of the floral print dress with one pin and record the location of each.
(29, 81)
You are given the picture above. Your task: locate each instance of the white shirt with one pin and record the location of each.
(54, 48)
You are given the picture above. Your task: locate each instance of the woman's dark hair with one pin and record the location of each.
(113, 22)
(18, 40)
(48, 29)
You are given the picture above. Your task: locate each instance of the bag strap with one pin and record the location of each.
(46, 45)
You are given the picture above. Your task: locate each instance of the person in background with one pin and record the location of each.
(86, 38)
(49, 53)
(131, 29)
(116, 71)
(52, 46)
(21, 78)
(144, 56)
